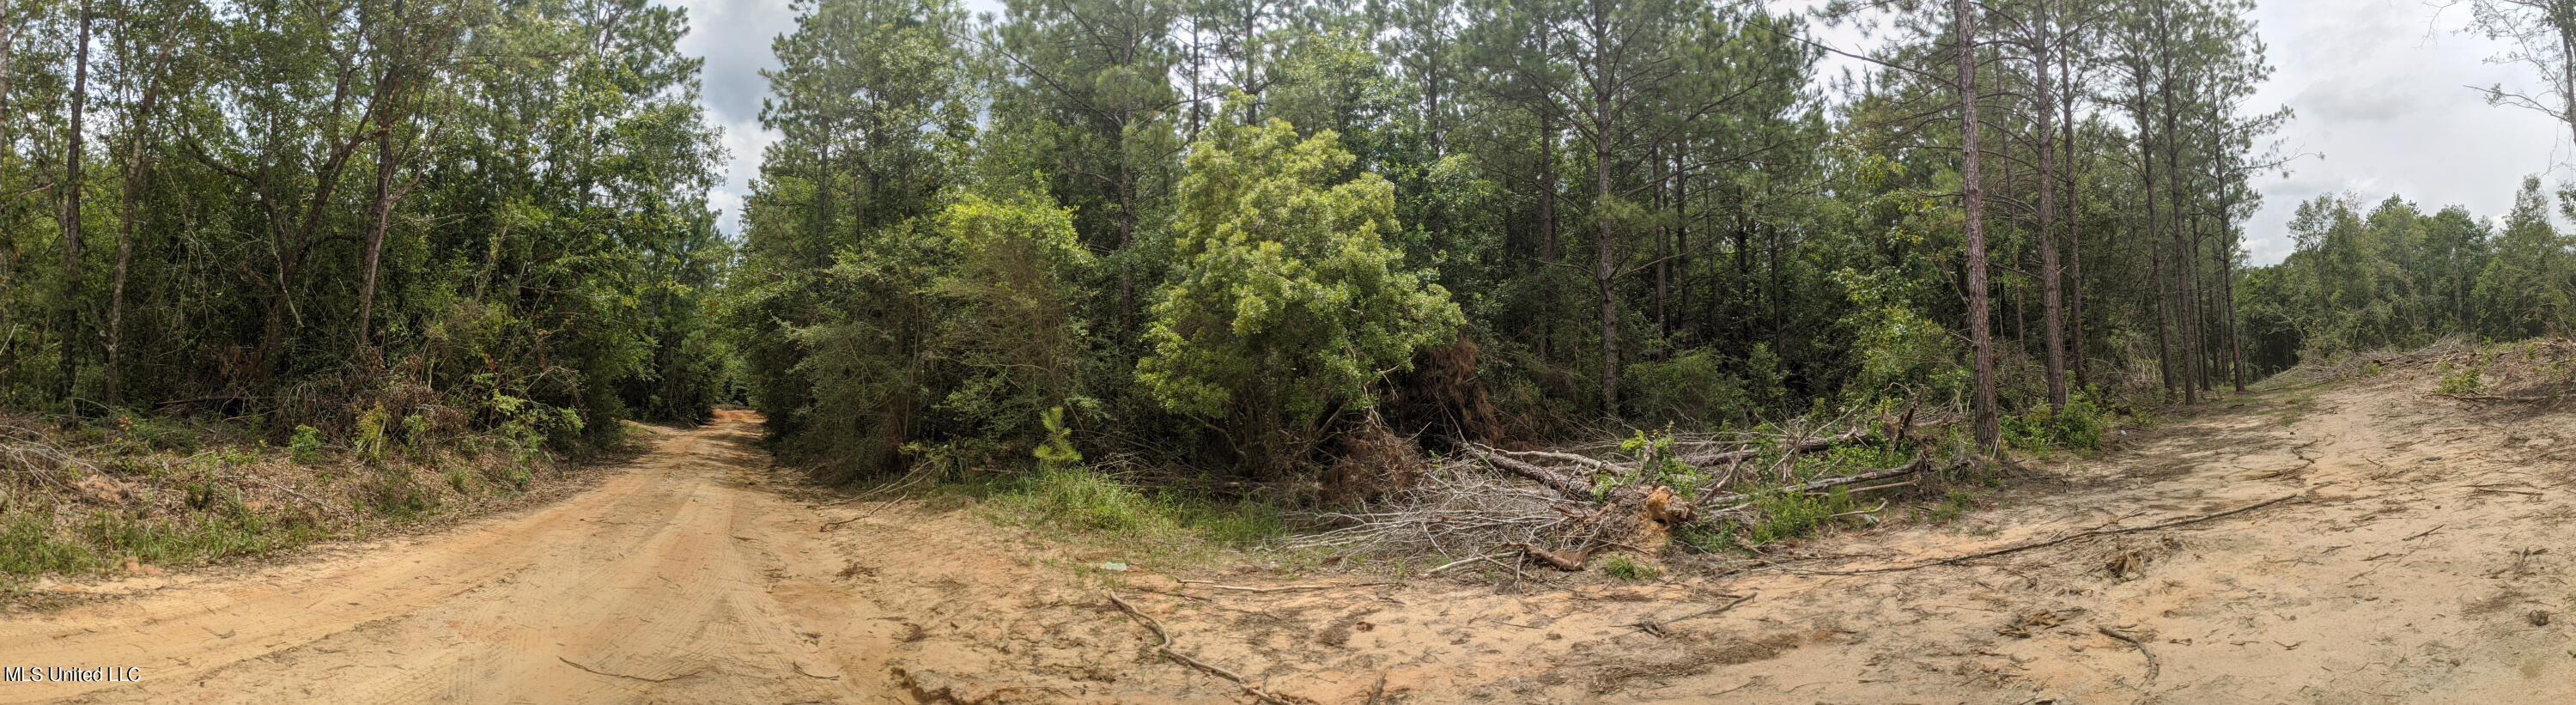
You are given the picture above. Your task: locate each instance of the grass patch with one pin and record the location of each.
(1628, 571)
(1956, 505)
(32, 544)
(28, 546)
(1789, 515)
(1165, 524)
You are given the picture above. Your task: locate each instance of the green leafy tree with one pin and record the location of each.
(1289, 305)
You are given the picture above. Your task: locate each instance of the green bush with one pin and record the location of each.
(306, 446)
(2080, 426)
(2464, 380)
(1788, 515)
(1289, 303)
(1693, 389)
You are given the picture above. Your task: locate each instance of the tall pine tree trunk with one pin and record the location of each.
(1605, 263)
(2074, 235)
(2052, 301)
(1989, 427)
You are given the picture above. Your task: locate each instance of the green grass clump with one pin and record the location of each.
(1097, 506)
(28, 546)
(1957, 504)
(1628, 571)
(1788, 515)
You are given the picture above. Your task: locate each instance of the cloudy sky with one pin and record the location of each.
(2380, 88)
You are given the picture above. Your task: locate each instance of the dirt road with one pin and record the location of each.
(682, 579)
(2424, 555)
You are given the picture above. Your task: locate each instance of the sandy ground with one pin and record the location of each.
(2423, 555)
(678, 580)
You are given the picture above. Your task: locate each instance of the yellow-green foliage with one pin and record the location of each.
(1288, 304)
(306, 445)
(2463, 380)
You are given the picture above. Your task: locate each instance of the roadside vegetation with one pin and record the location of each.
(133, 497)
(273, 273)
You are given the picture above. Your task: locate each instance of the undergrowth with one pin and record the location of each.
(1166, 524)
(130, 493)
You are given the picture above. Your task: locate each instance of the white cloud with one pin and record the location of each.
(2381, 88)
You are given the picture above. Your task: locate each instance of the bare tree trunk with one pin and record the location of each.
(1550, 249)
(1605, 265)
(112, 390)
(1681, 250)
(2074, 237)
(74, 153)
(2146, 193)
(2194, 374)
(8, 260)
(2052, 305)
(379, 220)
(1980, 336)
(1663, 256)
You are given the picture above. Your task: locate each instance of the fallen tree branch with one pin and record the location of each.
(1463, 561)
(594, 671)
(1811, 445)
(1594, 464)
(2494, 398)
(1562, 483)
(1165, 649)
(2017, 548)
(1920, 464)
(2142, 650)
(1280, 588)
(1568, 561)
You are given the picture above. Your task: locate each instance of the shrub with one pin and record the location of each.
(2079, 426)
(1787, 515)
(2464, 380)
(1691, 389)
(1290, 304)
(306, 446)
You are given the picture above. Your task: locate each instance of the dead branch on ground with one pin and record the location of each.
(2142, 650)
(1165, 648)
(1799, 447)
(1919, 464)
(1281, 588)
(2017, 548)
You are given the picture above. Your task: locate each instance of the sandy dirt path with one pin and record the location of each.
(677, 580)
(2424, 555)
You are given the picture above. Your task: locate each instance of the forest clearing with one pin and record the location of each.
(2419, 556)
(1303, 351)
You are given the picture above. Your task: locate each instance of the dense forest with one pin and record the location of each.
(424, 215)
(1231, 235)
(1232, 232)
